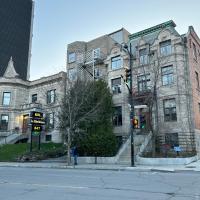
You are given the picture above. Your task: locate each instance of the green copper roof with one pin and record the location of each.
(152, 29)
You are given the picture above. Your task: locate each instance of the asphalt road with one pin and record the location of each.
(74, 184)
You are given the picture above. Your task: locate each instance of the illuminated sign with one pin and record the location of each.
(38, 121)
(36, 128)
(35, 114)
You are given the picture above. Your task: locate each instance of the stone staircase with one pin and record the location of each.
(141, 141)
(13, 138)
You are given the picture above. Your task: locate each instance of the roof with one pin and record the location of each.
(152, 29)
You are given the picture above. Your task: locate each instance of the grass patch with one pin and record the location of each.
(14, 152)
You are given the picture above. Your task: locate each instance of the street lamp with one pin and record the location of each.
(129, 50)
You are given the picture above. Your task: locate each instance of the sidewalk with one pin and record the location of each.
(62, 165)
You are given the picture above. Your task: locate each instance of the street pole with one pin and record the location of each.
(132, 109)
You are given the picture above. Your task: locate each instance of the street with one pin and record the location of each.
(67, 184)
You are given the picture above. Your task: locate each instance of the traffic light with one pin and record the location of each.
(127, 74)
(135, 123)
(142, 121)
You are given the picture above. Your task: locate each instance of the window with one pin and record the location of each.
(116, 62)
(172, 139)
(50, 120)
(97, 73)
(167, 75)
(165, 48)
(6, 98)
(143, 56)
(72, 75)
(116, 85)
(4, 122)
(117, 116)
(170, 110)
(48, 138)
(194, 51)
(51, 97)
(144, 83)
(71, 57)
(197, 79)
(96, 53)
(34, 98)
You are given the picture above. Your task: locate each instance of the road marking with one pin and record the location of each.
(45, 185)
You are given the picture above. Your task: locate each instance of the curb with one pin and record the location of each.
(133, 169)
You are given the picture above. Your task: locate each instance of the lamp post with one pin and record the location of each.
(131, 102)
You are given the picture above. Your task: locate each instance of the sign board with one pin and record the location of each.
(35, 114)
(38, 121)
(36, 128)
(177, 148)
(35, 133)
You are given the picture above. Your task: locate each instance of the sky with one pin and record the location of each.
(60, 22)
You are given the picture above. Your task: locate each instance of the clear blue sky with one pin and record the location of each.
(59, 22)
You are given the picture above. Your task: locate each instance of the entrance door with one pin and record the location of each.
(25, 123)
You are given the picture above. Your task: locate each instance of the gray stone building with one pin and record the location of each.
(20, 97)
(161, 70)
(104, 58)
(161, 75)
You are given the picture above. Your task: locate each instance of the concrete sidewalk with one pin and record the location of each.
(62, 165)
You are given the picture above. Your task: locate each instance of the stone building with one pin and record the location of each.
(164, 65)
(104, 58)
(20, 97)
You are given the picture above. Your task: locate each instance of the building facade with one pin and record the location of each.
(16, 18)
(165, 77)
(165, 85)
(20, 97)
(104, 58)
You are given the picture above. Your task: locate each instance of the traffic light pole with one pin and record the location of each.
(132, 109)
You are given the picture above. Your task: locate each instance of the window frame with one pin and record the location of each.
(1, 122)
(71, 57)
(96, 53)
(116, 88)
(117, 116)
(117, 62)
(32, 98)
(143, 57)
(49, 97)
(165, 48)
(168, 116)
(50, 116)
(72, 74)
(4, 99)
(145, 83)
(169, 74)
